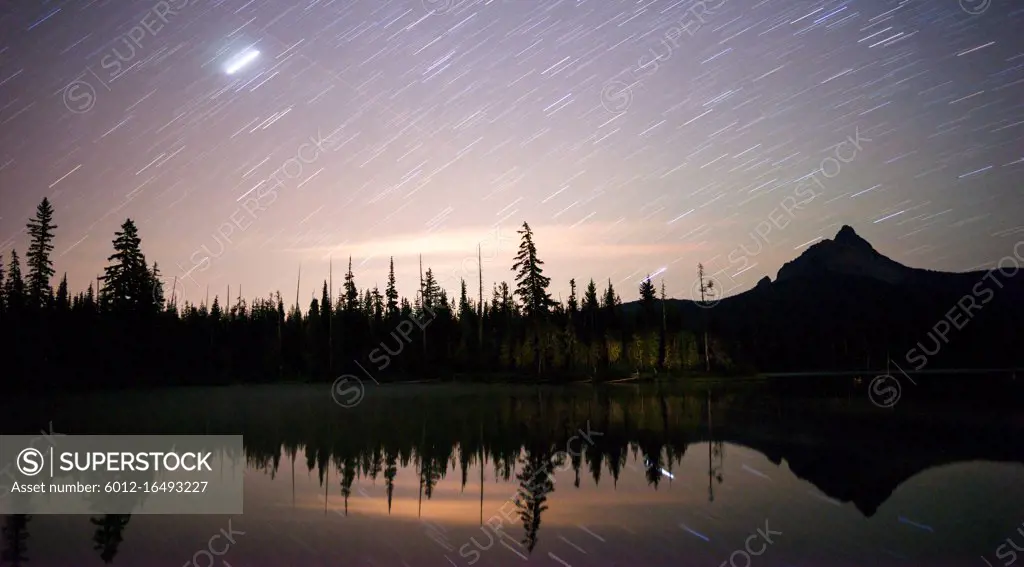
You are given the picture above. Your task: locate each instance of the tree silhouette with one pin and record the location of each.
(532, 289)
(62, 300)
(391, 292)
(15, 540)
(3, 294)
(109, 534)
(127, 283)
(14, 287)
(647, 292)
(40, 267)
(351, 293)
(531, 284)
(122, 331)
(535, 483)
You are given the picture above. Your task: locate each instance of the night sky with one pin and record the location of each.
(634, 137)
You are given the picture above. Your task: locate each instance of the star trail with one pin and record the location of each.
(249, 137)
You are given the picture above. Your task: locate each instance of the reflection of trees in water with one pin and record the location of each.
(15, 540)
(390, 472)
(109, 534)
(511, 437)
(716, 451)
(348, 467)
(535, 483)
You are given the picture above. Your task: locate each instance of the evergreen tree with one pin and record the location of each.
(90, 298)
(325, 306)
(378, 304)
(158, 288)
(647, 292)
(464, 307)
(532, 289)
(3, 294)
(367, 304)
(610, 299)
(391, 292)
(433, 295)
(573, 304)
(62, 301)
(127, 281)
(14, 287)
(590, 302)
(351, 293)
(40, 267)
(531, 284)
(648, 296)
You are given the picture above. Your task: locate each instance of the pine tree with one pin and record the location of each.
(531, 284)
(648, 296)
(572, 319)
(157, 288)
(90, 298)
(610, 299)
(127, 281)
(573, 303)
(647, 292)
(590, 302)
(432, 293)
(3, 294)
(532, 289)
(351, 293)
(367, 304)
(464, 306)
(14, 287)
(40, 267)
(62, 293)
(390, 292)
(325, 306)
(378, 304)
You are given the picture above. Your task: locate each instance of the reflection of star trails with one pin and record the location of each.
(755, 472)
(701, 536)
(915, 524)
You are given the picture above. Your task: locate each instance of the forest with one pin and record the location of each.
(125, 331)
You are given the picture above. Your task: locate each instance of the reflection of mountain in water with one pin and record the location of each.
(850, 453)
(864, 459)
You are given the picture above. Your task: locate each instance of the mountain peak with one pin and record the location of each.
(849, 237)
(847, 254)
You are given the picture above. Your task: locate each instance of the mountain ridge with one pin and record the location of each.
(842, 305)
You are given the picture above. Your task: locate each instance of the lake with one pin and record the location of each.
(572, 476)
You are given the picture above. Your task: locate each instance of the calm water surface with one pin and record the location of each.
(653, 477)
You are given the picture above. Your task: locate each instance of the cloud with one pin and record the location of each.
(595, 241)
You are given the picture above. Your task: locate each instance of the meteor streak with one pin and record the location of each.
(241, 61)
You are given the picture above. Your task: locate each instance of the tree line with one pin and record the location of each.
(125, 331)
